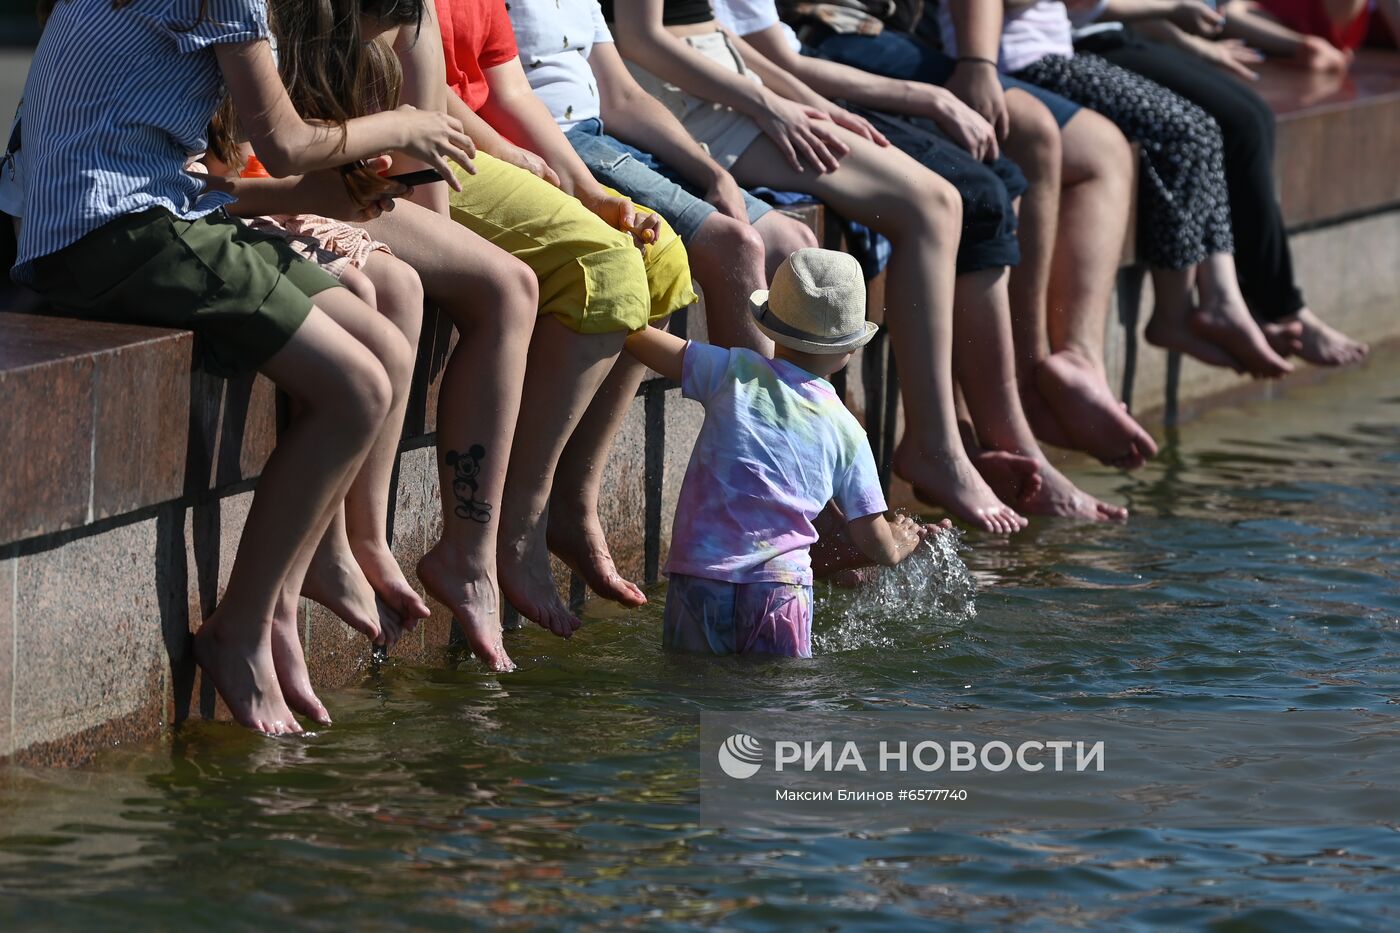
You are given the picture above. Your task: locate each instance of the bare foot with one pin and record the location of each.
(1059, 497)
(1169, 336)
(1228, 325)
(1285, 337)
(578, 541)
(474, 600)
(1013, 478)
(1095, 420)
(385, 576)
(336, 581)
(1316, 341)
(528, 583)
(1045, 425)
(955, 485)
(245, 677)
(290, 664)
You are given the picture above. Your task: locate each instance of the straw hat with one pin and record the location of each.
(816, 304)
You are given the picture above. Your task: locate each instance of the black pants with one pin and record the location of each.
(1262, 256)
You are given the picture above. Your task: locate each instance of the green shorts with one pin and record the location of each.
(243, 293)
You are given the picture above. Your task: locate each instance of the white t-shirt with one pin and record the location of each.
(1026, 37)
(555, 40)
(746, 17)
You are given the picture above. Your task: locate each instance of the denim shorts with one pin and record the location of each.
(900, 55)
(646, 180)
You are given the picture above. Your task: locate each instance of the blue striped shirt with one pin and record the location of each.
(116, 104)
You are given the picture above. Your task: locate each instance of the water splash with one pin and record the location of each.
(932, 586)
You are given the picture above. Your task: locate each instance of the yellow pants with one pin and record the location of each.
(592, 277)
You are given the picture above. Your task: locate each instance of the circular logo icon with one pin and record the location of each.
(740, 756)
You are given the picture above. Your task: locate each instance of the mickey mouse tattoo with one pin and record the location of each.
(467, 467)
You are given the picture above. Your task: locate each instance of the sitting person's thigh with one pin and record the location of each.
(591, 276)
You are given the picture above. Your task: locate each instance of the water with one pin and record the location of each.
(1259, 574)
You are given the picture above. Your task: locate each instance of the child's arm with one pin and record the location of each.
(886, 542)
(420, 56)
(288, 145)
(659, 351)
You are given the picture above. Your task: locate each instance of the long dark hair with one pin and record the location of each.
(331, 74)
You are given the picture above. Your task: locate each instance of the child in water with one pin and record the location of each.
(777, 445)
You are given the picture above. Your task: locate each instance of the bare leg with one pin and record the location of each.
(338, 582)
(922, 216)
(782, 236)
(1072, 382)
(564, 371)
(1034, 145)
(987, 375)
(345, 396)
(400, 301)
(1170, 328)
(1223, 319)
(492, 298)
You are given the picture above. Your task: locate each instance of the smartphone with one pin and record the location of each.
(413, 179)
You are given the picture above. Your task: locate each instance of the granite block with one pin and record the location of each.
(46, 480)
(7, 655)
(99, 654)
(141, 421)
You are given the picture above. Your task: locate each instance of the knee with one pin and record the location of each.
(723, 239)
(935, 206)
(366, 393)
(396, 356)
(401, 298)
(782, 236)
(512, 298)
(1034, 143)
(357, 283)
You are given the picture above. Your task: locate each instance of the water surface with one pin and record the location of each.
(1258, 574)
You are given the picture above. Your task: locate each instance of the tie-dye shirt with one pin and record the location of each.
(777, 445)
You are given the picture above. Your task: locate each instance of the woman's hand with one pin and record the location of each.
(804, 135)
(1233, 55)
(727, 197)
(621, 214)
(856, 124)
(964, 126)
(524, 158)
(358, 194)
(436, 139)
(1196, 18)
(978, 85)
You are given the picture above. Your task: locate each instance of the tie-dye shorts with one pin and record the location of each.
(718, 617)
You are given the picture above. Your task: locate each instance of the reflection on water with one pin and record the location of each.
(1258, 574)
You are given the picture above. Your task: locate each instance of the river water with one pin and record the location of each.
(1259, 574)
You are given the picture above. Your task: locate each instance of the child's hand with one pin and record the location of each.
(435, 138)
(621, 214)
(907, 533)
(355, 194)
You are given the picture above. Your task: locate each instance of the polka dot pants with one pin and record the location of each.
(1183, 203)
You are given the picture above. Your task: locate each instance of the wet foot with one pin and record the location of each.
(1229, 326)
(1059, 497)
(1045, 425)
(243, 673)
(1169, 335)
(336, 581)
(528, 583)
(1095, 420)
(580, 543)
(389, 584)
(1013, 478)
(474, 600)
(290, 663)
(954, 484)
(1315, 340)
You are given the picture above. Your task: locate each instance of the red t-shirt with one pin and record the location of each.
(476, 35)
